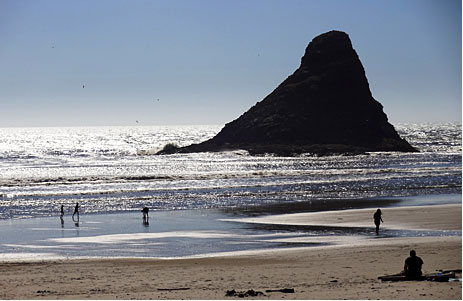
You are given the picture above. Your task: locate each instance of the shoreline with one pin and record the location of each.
(212, 234)
(336, 271)
(314, 205)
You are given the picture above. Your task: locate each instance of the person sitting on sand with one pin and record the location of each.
(378, 220)
(412, 267)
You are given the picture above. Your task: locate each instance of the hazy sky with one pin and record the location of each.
(207, 62)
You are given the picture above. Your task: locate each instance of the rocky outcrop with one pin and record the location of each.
(324, 107)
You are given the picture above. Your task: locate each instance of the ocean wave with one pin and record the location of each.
(270, 170)
(357, 183)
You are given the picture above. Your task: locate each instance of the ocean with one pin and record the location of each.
(113, 172)
(114, 169)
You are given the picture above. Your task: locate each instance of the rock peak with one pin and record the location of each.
(324, 107)
(327, 47)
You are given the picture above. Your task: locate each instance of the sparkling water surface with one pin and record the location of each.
(114, 169)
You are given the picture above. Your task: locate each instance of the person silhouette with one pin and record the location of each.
(62, 211)
(76, 211)
(412, 267)
(145, 211)
(378, 219)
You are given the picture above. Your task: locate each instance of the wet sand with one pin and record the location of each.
(346, 271)
(434, 217)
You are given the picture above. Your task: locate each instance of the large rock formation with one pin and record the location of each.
(324, 107)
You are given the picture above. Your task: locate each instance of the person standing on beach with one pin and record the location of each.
(61, 216)
(76, 211)
(378, 220)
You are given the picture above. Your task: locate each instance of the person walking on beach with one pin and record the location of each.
(412, 267)
(145, 211)
(76, 211)
(61, 216)
(378, 220)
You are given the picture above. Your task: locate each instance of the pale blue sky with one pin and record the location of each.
(209, 61)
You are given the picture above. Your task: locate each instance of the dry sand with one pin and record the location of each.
(334, 272)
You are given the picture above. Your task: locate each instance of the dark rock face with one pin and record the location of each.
(324, 107)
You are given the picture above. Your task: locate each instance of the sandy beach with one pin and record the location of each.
(337, 271)
(410, 218)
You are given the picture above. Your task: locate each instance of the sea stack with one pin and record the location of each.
(325, 107)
